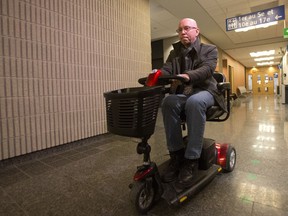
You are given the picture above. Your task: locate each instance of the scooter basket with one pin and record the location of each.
(133, 111)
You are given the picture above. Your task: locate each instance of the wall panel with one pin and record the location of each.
(57, 57)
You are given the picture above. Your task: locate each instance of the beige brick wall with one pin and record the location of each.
(57, 57)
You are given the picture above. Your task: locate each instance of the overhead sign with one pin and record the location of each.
(256, 18)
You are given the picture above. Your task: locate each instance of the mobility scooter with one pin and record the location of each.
(132, 112)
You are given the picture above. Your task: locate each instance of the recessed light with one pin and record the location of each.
(265, 25)
(262, 53)
(266, 63)
(264, 58)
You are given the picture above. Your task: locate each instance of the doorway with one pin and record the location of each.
(250, 82)
(262, 83)
(276, 84)
(231, 77)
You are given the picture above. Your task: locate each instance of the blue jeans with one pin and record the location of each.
(195, 107)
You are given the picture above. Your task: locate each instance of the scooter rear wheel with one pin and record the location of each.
(230, 159)
(142, 195)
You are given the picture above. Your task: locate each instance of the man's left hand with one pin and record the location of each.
(185, 76)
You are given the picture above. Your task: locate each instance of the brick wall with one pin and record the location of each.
(57, 57)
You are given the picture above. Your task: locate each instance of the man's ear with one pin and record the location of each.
(198, 31)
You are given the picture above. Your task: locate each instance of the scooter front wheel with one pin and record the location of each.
(142, 195)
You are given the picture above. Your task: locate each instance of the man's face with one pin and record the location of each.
(187, 31)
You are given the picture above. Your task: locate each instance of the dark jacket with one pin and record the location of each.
(200, 70)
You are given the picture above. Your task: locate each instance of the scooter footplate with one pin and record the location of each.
(175, 195)
(169, 192)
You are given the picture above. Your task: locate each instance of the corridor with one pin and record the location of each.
(91, 176)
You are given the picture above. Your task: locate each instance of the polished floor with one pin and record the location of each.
(91, 177)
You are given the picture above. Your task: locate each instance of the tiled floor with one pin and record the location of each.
(91, 177)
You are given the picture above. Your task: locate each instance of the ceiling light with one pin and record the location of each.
(266, 63)
(265, 25)
(262, 53)
(264, 59)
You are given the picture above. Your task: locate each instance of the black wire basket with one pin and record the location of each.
(132, 111)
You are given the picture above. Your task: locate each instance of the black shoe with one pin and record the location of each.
(187, 173)
(172, 171)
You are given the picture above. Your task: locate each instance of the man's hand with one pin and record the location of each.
(185, 76)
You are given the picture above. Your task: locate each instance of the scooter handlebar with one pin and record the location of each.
(163, 79)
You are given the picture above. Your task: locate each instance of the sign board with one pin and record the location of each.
(285, 32)
(256, 18)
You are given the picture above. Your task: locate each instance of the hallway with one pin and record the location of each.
(91, 176)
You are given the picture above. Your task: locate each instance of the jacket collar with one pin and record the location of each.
(196, 46)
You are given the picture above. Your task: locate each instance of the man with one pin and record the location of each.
(195, 62)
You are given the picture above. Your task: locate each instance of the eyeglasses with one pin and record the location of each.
(185, 28)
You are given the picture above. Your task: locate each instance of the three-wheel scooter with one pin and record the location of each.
(132, 112)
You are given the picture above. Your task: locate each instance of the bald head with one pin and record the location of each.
(192, 22)
(188, 31)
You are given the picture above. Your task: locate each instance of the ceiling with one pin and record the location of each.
(211, 17)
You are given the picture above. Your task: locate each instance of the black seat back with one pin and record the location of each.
(219, 77)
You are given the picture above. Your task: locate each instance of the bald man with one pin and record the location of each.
(196, 62)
